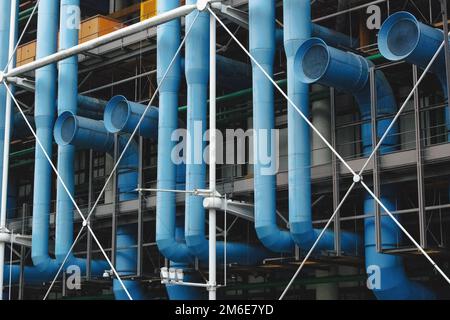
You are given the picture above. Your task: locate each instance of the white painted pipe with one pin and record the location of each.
(212, 288)
(7, 140)
(92, 44)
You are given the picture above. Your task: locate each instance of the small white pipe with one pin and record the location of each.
(113, 36)
(212, 288)
(7, 140)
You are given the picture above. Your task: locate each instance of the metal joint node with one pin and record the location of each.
(357, 178)
(211, 286)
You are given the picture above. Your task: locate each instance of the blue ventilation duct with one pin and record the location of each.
(175, 292)
(403, 37)
(331, 37)
(316, 62)
(126, 263)
(168, 39)
(394, 282)
(122, 115)
(45, 109)
(297, 29)
(197, 77)
(86, 133)
(262, 48)
(68, 102)
(5, 20)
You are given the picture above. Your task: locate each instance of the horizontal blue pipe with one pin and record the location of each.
(122, 115)
(91, 134)
(168, 38)
(262, 47)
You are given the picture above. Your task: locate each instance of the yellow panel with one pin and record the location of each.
(148, 9)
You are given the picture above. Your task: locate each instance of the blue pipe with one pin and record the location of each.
(262, 48)
(91, 134)
(168, 38)
(175, 292)
(197, 77)
(331, 37)
(67, 101)
(349, 72)
(394, 282)
(126, 263)
(297, 29)
(45, 108)
(122, 115)
(5, 20)
(403, 37)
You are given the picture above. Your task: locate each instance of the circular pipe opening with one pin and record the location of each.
(66, 127)
(398, 36)
(312, 60)
(117, 113)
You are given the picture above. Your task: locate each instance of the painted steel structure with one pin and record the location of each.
(180, 231)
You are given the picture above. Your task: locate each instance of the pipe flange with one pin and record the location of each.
(202, 4)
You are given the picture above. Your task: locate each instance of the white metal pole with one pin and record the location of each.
(7, 138)
(97, 42)
(212, 159)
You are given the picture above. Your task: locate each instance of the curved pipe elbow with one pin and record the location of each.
(275, 239)
(173, 250)
(305, 236)
(403, 37)
(122, 115)
(346, 71)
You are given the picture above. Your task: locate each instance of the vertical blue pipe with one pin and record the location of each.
(126, 263)
(197, 77)
(297, 29)
(67, 101)
(5, 21)
(168, 38)
(316, 62)
(262, 48)
(45, 108)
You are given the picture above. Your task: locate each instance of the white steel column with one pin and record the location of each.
(212, 288)
(7, 140)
